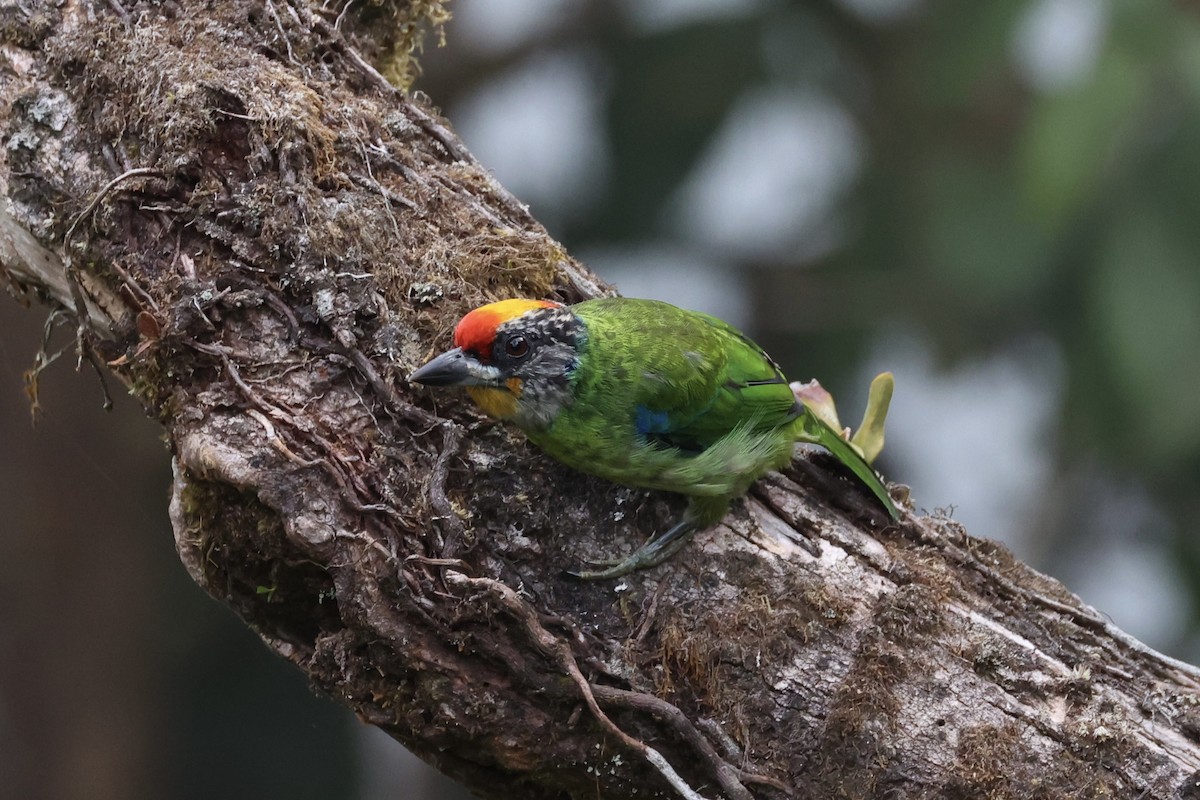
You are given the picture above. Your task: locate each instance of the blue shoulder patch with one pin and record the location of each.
(650, 422)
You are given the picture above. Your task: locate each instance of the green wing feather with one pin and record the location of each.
(700, 378)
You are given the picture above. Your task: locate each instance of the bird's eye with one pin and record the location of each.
(517, 347)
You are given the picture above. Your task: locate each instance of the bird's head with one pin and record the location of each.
(516, 359)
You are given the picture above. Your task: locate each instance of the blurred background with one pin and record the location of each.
(995, 200)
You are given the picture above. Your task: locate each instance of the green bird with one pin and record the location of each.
(641, 393)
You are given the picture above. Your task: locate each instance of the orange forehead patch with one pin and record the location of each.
(477, 330)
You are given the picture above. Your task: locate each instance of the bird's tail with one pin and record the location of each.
(817, 432)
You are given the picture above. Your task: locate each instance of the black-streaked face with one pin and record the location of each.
(516, 359)
(539, 345)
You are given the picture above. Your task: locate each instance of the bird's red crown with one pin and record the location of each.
(476, 331)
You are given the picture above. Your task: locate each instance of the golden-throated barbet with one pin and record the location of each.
(641, 393)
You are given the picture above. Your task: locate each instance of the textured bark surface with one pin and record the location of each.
(265, 238)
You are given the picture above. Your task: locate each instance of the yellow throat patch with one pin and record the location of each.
(497, 402)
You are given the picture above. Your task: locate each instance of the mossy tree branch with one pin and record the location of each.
(262, 238)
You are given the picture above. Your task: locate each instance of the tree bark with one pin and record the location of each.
(261, 238)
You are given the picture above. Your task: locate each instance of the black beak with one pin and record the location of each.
(452, 368)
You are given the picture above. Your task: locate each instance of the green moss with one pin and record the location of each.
(250, 564)
(413, 21)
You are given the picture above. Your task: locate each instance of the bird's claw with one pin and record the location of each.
(651, 554)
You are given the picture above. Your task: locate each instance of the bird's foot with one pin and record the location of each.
(651, 554)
